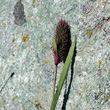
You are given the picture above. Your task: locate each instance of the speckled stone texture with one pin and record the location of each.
(26, 50)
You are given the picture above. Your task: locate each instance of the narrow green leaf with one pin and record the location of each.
(54, 45)
(63, 75)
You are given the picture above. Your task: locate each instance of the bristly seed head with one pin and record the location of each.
(61, 42)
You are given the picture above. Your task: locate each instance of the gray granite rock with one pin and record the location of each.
(26, 50)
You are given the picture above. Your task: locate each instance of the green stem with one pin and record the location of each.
(55, 77)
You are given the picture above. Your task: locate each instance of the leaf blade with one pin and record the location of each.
(63, 75)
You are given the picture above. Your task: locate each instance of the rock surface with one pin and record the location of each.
(26, 50)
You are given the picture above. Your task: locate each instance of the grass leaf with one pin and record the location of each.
(63, 75)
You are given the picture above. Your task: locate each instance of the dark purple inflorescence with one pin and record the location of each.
(63, 41)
